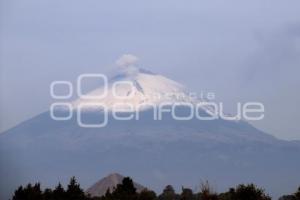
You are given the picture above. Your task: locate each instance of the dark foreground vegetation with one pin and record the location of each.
(126, 191)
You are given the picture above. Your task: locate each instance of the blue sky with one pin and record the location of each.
(241, 51)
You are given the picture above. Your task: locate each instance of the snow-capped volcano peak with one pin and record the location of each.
(137, 88)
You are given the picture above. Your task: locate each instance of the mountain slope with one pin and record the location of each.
(159, 152)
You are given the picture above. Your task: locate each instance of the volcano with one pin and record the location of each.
(155, 152)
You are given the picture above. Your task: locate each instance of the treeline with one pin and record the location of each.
(127, 191)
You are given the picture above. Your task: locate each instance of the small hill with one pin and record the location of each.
(109, 182)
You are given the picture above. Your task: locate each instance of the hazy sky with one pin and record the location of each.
(242, 51)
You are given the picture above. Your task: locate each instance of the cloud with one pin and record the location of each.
(127, 60)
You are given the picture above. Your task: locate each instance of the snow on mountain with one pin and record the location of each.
(138, 88)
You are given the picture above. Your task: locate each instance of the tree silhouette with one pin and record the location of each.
(147, 195)
(287, 197)
(125, 191)
(245, 192)
(108, 195)
(59, 193)
(74, 192)
(187, 194)
(228, 195)
(19, 194)
(48, 194)
(28, 193)
(297, 194)
(168, 193)
(207, 192)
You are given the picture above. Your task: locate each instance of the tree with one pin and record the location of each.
(59, 192)
(297, 194)
(125, 191)
(207, 192)
(147, 195)
(28, 193)
(250, 192)
(168, 193)
(19, 194)
(108, 195)
(227, 195)
(186, 194)
(287, 197)
(245, 192)
(48, 194)
(74, 192)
